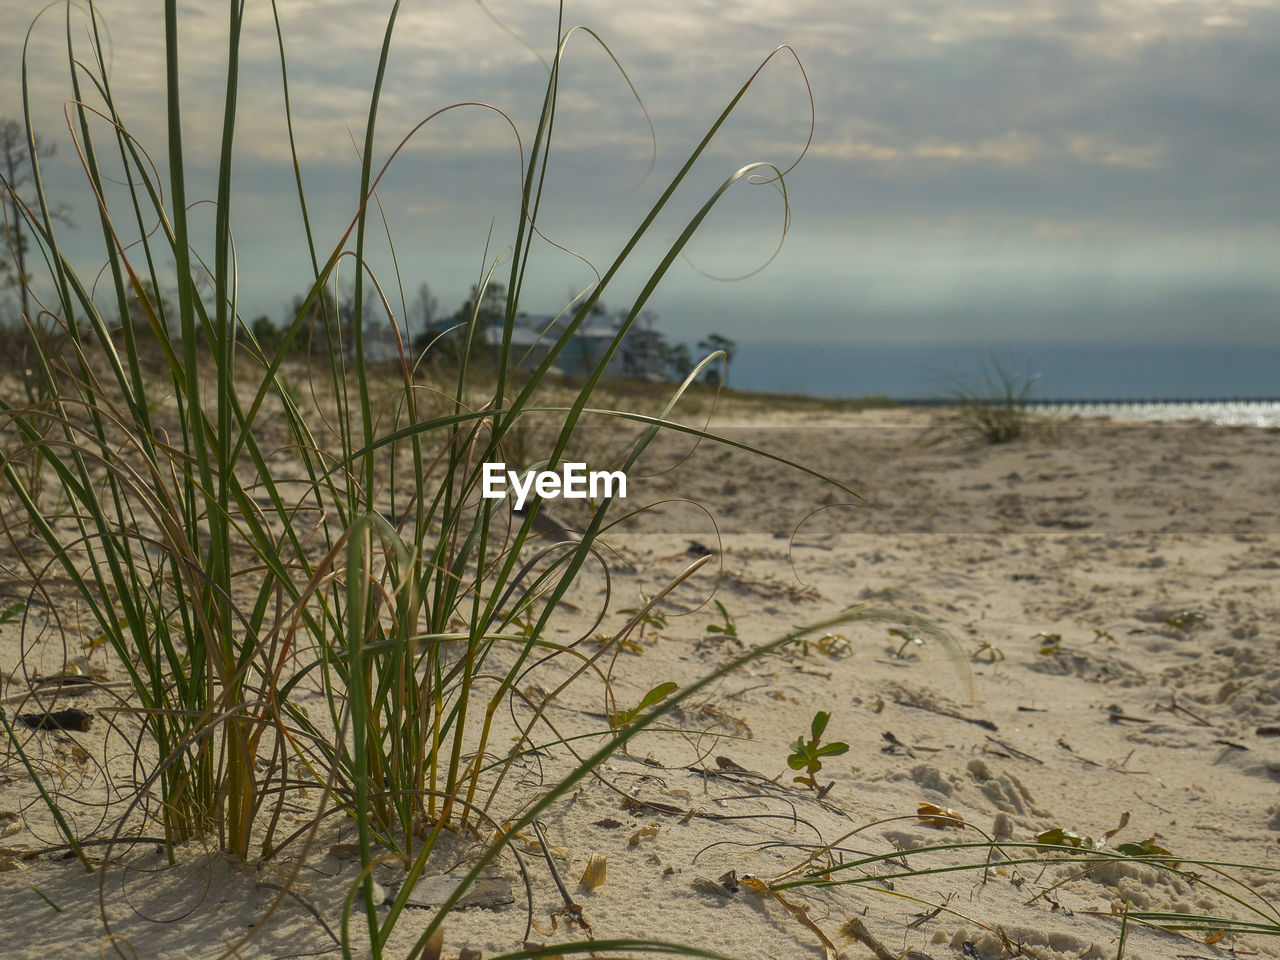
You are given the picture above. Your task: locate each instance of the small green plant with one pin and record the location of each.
(626, 643)
(1147, 849)
(726, 628)
(908, 639)
(624, 718)
(807, 755)
(1186, 619)
(651, 618)
(524, 625)
(988, 651)
(12, 612)
(1050, 643)
(1062, 837)
(830, 644)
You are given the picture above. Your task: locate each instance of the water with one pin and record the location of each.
(1263, 413)
(1130, 375)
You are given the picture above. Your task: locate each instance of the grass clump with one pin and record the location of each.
(993, 408)
(245, 536)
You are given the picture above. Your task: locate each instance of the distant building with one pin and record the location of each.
(380, 343)
(640, 355)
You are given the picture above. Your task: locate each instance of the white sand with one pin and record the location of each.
(1097, 536)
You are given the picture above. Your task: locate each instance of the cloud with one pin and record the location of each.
(1049, 120)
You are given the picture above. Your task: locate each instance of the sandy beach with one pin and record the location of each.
(1109, 592)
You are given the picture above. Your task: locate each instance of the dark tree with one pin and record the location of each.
(16, 171)
(424, 311)
(714, 342)
(493, 305)
(156, 302)
(266, 333)
(677, 357)
(423, 315)
(320, 321)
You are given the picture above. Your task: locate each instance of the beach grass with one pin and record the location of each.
(993, 407)
(241, 534)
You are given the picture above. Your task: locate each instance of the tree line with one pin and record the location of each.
(329, 318)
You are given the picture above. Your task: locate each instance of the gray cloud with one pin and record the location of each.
(1034, 150)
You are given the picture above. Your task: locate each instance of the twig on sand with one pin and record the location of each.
(1117, 715)
(954, 715)
(1015, 751)
(571, 912)
(798, 910)
(1176, 707)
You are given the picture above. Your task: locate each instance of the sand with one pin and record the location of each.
(1111, 594)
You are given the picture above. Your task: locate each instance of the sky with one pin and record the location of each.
(1002, 170)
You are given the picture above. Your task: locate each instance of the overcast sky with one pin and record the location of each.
(986, 169)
